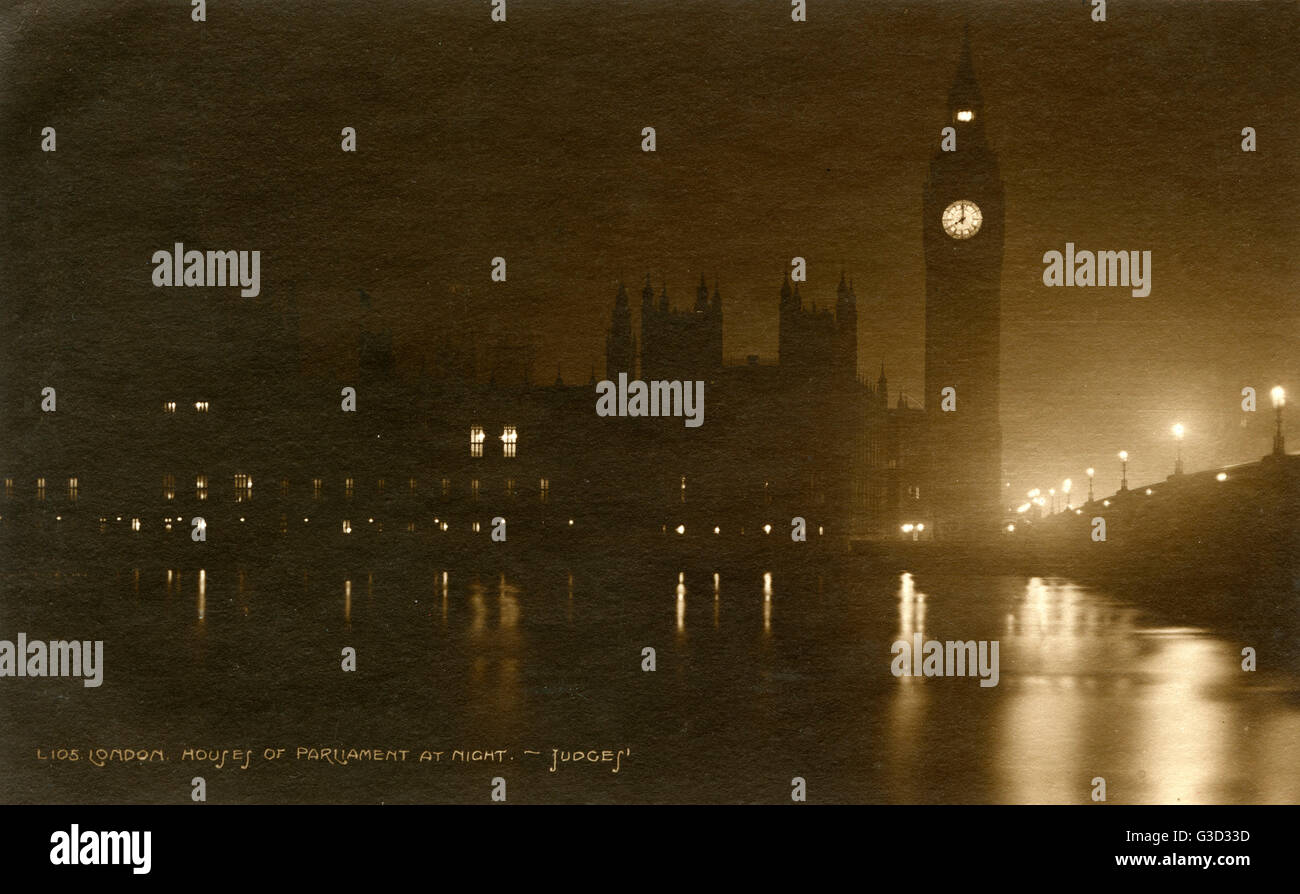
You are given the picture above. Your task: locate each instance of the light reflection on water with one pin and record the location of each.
(1089, 685)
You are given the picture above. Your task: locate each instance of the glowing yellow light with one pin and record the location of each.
(1010, 528)
(717, 530)
(1033, 493)
(570, 523)
(1178, 430)
(1279, 396)
(1090, 471)
(681, 529)
(1123, 455)
(907, 529)
(965, 115)
(1105, 502)
(1148, 491)
(1024, 507)
(767, 529)
(1066, 485)
(1222, 476)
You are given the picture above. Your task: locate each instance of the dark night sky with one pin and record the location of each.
(775, 139)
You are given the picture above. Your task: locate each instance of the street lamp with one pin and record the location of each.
(1123, 470)
(1279, 401)
(1091, 471)
(1065, 486)
(1178, 431)
(1051, 492)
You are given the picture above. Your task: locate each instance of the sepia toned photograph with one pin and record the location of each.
(649, 403)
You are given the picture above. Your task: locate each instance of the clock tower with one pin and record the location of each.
(962, 233)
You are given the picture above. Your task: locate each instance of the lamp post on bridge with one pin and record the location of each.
(1279, 401)
(1065, 486)
(1179, 431)
(1051, 491)
(1091, 471)
(1123, 470)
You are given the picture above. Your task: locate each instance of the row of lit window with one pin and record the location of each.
(74, 488)
(717, 529)
(244, 487)
(438, 524)
(200, 406)
(509, 440)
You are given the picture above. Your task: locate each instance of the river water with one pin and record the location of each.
(538, 678)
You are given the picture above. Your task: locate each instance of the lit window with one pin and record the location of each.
(169, 487)
(509, 440)
(284, 487)
(201, 487)
(965, 115)
(381, 485)
(544, 489)
(476, 527)
(474, 488)
(40, 488)
(410, 483)
(135, 524)
(74, 488)
(410, 527)
(446, 487)
(347, 526)
(169, 407)
(9, 488)
(476, 440)
(284, 524)
(315, 489)
(347, 488)
(243, 488)
(510, 487)
(200, 406)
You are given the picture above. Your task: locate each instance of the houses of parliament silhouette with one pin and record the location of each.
(270, 460)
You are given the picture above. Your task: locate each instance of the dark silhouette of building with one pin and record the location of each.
(962, 231)
(818, 345)
(680, 344)
(620, 344)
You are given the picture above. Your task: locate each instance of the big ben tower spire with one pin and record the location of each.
(962, 231)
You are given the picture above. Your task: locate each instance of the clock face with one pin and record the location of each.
(962, 219)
